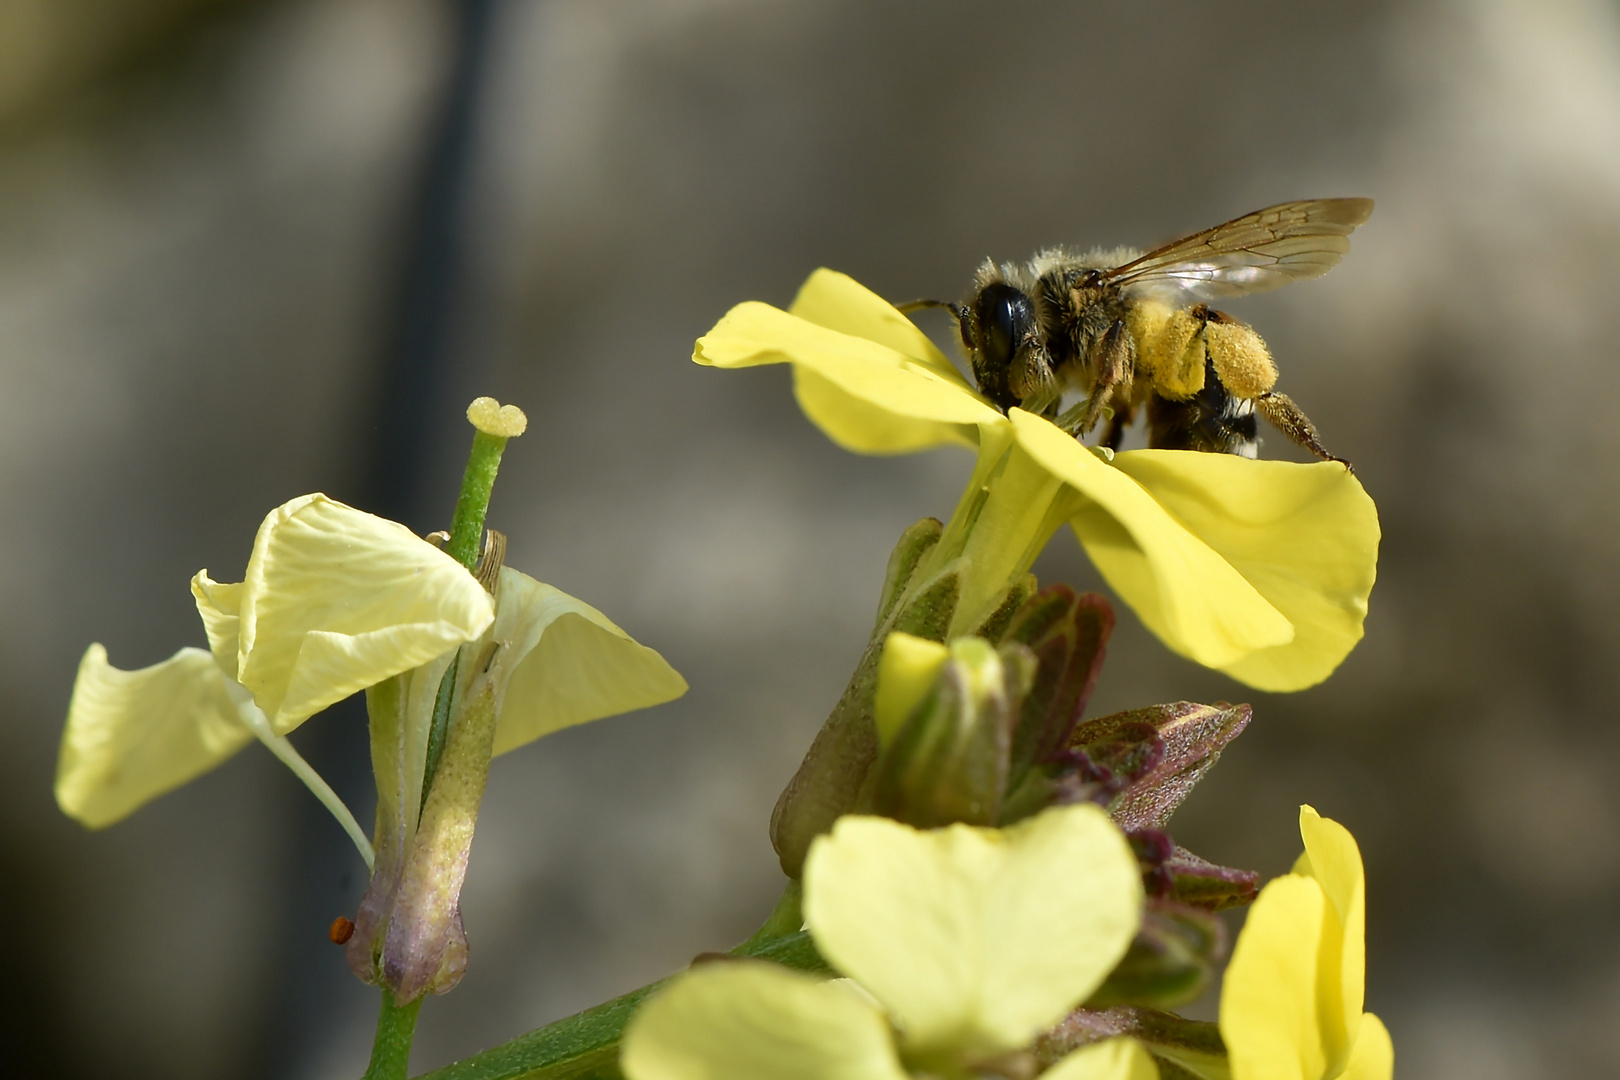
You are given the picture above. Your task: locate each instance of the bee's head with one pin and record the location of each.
(996, 327)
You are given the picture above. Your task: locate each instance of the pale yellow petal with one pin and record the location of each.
(907, 671)
(220, 605)
(1373, 1056)
(1120, 1058)
(748, 1020)
(975, 938)
(1334, 860)
(1305, 536)
(336, 600)
(1184, 591)
(133, 735)
(1270, 1010)
(571, 664)
(866, 395)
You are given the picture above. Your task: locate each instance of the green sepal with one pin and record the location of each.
(914, 546)
(995, 625)
(1170, 962)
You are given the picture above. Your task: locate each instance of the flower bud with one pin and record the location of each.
(948, 761)
(1157, 754)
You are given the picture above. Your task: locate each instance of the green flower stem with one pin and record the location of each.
(585, 1046)
(466, 529)
(1008, 512)
(787, 918)
(472, 505)
(391, 1050)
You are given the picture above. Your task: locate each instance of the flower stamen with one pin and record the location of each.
(488, 570)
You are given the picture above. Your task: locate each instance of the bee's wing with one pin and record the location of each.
(1293, 241)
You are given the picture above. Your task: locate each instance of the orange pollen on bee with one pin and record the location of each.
(340, 931)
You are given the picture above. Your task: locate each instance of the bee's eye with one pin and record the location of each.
(1005, 316)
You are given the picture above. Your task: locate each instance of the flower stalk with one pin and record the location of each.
(391, 1048)
(493, 425)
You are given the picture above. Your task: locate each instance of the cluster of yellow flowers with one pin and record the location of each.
(963, 951)
(962, 945)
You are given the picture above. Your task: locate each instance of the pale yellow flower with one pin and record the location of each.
(1291, 1003)
(335, 600)
(961, 945)
(1261, 569)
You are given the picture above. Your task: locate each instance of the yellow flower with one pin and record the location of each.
(334, 601)
(1291, 1002)
(1258, 568)
(961, 944)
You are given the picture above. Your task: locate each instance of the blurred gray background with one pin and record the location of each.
(249, 250)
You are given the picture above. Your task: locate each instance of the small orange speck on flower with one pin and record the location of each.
(340, 931)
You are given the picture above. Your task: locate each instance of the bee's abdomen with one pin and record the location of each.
(1213, 420)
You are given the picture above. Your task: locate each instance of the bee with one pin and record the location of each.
(1135, 332)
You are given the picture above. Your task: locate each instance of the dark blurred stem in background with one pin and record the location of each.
(420, 398)
(416, 397)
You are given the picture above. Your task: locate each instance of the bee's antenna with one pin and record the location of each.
(958, 310)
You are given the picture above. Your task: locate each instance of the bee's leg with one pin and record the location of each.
(1113, 367)
(1031, 379)
(1116, 426)
(1288, 418)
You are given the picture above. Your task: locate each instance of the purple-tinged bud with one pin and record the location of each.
(1160, 753)
(1199, 883)
(1152, 848)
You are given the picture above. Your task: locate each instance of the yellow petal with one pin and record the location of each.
(1269, 1013)
(839, 302)
(1184, 591)
(747, 1020)
(975, 939)
(1305, 536)
(865, 394)
(1373, 1056)
(336, 600)
(1333, 859)
(571, 664)
(854, 422)
(906, 672)
(220, 605)
(133, 735)
(1112, 1059)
